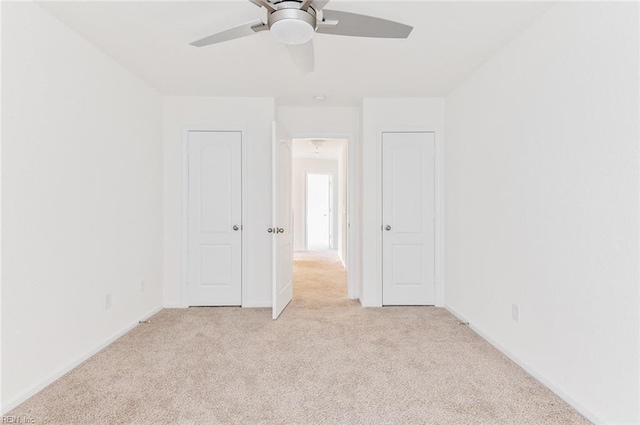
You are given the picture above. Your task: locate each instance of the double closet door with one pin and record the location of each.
(214, 218)
(408, 218)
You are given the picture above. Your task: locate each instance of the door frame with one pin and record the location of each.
(353, 218)
(185, 205)
(439, 204)
(332, 220)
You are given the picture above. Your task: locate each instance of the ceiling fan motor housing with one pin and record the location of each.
(292, 25)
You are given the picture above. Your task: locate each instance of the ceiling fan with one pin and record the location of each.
(294, 22)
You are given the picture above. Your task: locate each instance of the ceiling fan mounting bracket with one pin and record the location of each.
(308, 16)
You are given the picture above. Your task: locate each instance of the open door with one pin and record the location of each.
(282, 230)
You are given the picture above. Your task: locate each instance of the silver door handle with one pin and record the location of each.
(280, 230)
(236, 228)
(387, 227)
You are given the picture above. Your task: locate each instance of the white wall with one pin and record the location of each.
(254, 116)
(313, 120)
(82, 213)
(302, 166)
(336, 122)
(1, 398)
(380, 115)
(542, 204)
(343, 204)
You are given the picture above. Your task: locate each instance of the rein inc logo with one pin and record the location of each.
(18, 420)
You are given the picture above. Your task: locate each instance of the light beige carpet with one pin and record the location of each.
(325, 361)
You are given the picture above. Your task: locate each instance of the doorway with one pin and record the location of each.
(320, 206)
(319, 212)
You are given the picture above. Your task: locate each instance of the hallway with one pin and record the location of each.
(319, 280)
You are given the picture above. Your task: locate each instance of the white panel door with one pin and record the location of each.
(408, 219)
(214, 217)
(282, 230)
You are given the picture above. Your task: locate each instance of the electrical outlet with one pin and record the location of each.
(515, 312)
(142, 286)
(107, 301)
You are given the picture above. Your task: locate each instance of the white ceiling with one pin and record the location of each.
(329, 148)
(151, 38)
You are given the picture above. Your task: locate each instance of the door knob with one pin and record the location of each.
(271, 230)
(280, 230)
(387, 227)
(236, 228)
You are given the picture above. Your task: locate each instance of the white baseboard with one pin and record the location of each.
(257, 305)
(546, 382)
(72, 365)
(250, 305)
(367, 304)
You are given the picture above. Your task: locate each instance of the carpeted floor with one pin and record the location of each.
(324, 361)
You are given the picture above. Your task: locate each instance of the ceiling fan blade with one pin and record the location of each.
(264, 3)
(303, 56)
(356, 25)
(232, 33)
(319, 4)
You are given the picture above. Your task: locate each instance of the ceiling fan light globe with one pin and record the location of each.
(292, 31)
